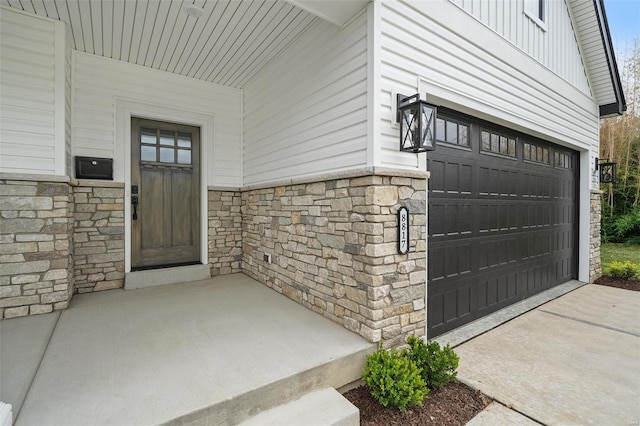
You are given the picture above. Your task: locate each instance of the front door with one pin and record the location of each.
(165, 194)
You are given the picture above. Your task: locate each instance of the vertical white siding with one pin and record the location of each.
(467, 67)
(27, 87)
(67, 102)
(555, 45)
(99, 81)
(306, 113)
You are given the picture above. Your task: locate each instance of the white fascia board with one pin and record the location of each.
(338, 12)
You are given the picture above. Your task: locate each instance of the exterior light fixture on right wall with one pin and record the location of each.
(607, 171)
(417, 124)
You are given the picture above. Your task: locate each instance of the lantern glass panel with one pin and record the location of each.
(410, 128)
(428, 126)
(607, 172)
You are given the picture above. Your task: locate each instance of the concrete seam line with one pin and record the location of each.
(44, 353)
(520, 412)
(591, 323)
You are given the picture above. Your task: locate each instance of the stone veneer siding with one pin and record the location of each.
(334, 249)
(595, 263)
(225, 232)
(36, 266)
(98, 236)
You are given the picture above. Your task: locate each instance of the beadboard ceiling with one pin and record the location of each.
(228, 45)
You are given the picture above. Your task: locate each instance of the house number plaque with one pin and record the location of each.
(403, 230)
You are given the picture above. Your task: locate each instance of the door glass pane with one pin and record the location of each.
(148, 153)
(503, 145)
(148, 136)
(463, 138)
(184, 156)
(167, 138)
(486, 144)
(184, 140)
(512, 147)
(495, 143)
(452, 132)
(440, 129)
(166, 155)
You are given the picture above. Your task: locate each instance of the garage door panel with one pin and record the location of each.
(450, 176)
(501, 229)
(458, 220)
(450, 261)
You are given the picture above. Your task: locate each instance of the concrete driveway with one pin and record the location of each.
(572, 361)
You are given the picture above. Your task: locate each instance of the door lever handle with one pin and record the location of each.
(134, 204)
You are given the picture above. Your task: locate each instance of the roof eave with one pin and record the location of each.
(620, 105)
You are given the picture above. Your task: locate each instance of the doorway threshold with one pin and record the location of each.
(163, 276)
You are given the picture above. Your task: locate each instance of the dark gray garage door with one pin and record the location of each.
(502, 220)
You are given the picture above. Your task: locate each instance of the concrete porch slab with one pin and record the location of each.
(564, 366)
(171, 353)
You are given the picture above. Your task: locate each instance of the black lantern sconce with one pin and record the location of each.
(607, 171)
(417, 124)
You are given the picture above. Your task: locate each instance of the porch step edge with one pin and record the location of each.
(324, 407)
(237, 408)
(156, 277)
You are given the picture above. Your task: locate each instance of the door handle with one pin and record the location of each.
(134, 201)
(134, 204)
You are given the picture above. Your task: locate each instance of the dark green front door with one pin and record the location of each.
(165, 194)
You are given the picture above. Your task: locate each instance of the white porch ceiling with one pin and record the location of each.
(228, 45)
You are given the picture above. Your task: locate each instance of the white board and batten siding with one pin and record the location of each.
(442, 50)
(98, 83)
(32, 88)
(552, 43)
(306, 112)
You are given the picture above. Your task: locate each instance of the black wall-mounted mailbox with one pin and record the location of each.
(94, 168)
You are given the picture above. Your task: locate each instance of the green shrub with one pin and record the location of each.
(438, 364)
(624, 269)
(394, 380)
(627, 225)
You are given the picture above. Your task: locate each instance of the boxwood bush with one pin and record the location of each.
(394, 380)
(438, 365)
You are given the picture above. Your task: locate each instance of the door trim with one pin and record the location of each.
(126, 109)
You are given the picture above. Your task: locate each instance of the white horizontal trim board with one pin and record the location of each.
(306, 112)
(461, 64)
(98, 81)
(28, 87)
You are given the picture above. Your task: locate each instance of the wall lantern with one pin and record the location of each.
(417, 124)
(607, 170)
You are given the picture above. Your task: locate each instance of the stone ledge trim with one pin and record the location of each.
(60, 179)
(98, 183)
(344, 174)
(36, 178)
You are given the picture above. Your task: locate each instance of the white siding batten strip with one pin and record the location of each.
(60, 167)
(374, 79)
